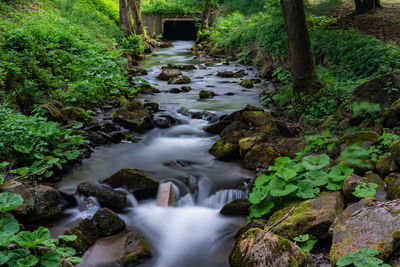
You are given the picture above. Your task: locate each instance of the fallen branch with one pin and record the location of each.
(36, 172)
(281, 220)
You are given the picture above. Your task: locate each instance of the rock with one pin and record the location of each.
(368, 223)
(136, 249)
(253, 223)
(152, 107)
(174, 91)
(74, 114)
(134, 116)
(134, 71)
(261, 156)
(186, 89)
(97, 139)
(53, 113)
(48, 203)
(180, 67)
(239, 74)
(108, 222)
(86, 233)
(135, 181)
(227, 147)
(245, 144)
(148, 89)
(371, 177)
(395, 151)
(236, 126)
(164, 44)
(267, 71)
(167, 74)
(393, 185)
(256, 118)
(362, 138)
(239, 206)
(206, 94)
(349, 185)
(24, 191)
(166, 195)
(247, 83)
(117, 136)
(114, 200)
(216, 52)
(218, 127)
(181, 79)
(258, 248)
(313, 216)
(164, 121)
(390, 116)
(225, 74)
(386, 165)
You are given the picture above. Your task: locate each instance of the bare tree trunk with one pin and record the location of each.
(205, 14)
(366, 5)
(125, 22)
(137, 16)
(301, 59)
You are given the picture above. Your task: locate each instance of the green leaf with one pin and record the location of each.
(25, 239)
(319, 162)
(51, 243)
(262, 180)
(3, 258)
(334, 186)
(21, 171)
(286, 173)
(6, 238)
(28, 261)
(1, 179)
(15, 255)
(9, 225)
(261, 209)
(50, 259)
(72, 154)
(258, 194)
(306, 242)
(279, 188)
(307, 189)
(74, 260)
(318, 177)
(4, 164)
(279, 163)
(365, 257)
(67, 238)
(365, 190)
(339, 173)
(23, 149)
(10, 201)
(66, 251)
(41, 234)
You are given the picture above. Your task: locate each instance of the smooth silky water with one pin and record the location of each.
(193, 233)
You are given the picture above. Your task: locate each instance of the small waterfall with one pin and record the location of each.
(222, 197)
(88, 206)
(186, 200)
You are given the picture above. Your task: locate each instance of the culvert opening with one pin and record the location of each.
(180, 30)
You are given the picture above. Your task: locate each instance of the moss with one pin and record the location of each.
(246, 83)
(221, 150)
(74, 113)
(360, 138)
(53, 113)
(246, 144)
(262, 155)
(181, 79)
(393, 185)
(206, 94)
(385, 165)
(186, 88)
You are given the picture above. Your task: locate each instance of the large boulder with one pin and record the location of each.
(393, 185)
(351, 182)
(74, 114)
(135, 181)
(136, 249)
(53, 113)
(227, 147)
(114, 200)
(108, 222)
(261, 156)
(24, 191)
(368, 223)
(386, 165)
(134, 116)
(48, 203)
(258, 248)
(362, 138)
(239, 206)
(167, 74)
(86, 232)
(181, 79)
(313, 216)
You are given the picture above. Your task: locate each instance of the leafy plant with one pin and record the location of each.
(363, 257)
(316, 143)
(365, 190)
(306, 242)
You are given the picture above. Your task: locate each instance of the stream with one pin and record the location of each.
(192, 233)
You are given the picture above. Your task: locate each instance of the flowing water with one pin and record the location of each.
(193, 233)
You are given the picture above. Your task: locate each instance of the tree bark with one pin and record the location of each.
(125, 22)
(367, 5)
(137, 16)
(205, 14)
(301, 60)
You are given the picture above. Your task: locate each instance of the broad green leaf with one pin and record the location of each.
(9, 225)
(261, 209)
(67, 238)
(306, 242)
(10, 201)
(66, 252)
(279, 163)
(307, 189)
(302, 238)
(24, 149)
(4, 164)
(334, 186)
(262, 179)
(50, 259)
(51, 243)
(21, 171)
(15, 255)
(312, 163)
(74, 260)
(279, 188)
(365, 190)
(41, 234)
(1, 179)
(339, 173)
(3, 258)
(318, 177)
(28, 261)
(258, 194)
(286, 173)
(25, 239)
(72, 154)
(48, 129)
(299, 168)
(6, 238)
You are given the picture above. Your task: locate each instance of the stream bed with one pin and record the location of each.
(192, 233)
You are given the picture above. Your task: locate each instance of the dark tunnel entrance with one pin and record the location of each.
(180, 30)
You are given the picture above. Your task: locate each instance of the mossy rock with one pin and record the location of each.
(246, 83)
(351, 182)
(152, 107)
(362, 138)
(148, 89)
(86, 233)
(393, 185)
(134, 116)
(48, 203)
(256, 118)
(53, 113)
(239, 206)
(206, 94)
(186, 89)
(225, 74)
(395, 151)
(236, 126)
(167, 74)
(114, 200)
(218, 127)
(290, 146)
(371, 177)
(245, 144)
(74, 114)
(135, 181)
(391, 115)
(386, 165)
(261, 156)
(135, 71)
(258, 248)
(313, 216)
(368, 223)
(267, 71)
(227, 147)
(136, 249)
(21, 189)
(181, 79)
(108, 222)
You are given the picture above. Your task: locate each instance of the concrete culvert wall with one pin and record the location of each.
(179, 29)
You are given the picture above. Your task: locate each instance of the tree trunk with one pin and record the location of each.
(366, 5)
(137, 16)
(205, 14)
(125, 22)
(301, 59)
